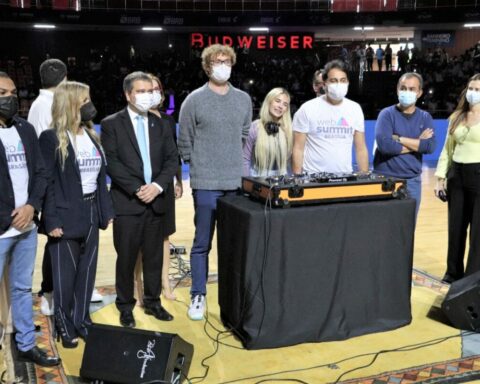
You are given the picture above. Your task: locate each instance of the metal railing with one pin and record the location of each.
(271, 6)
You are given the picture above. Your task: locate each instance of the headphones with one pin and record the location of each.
(272, 128)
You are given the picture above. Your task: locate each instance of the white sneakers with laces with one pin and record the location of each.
(196, 311)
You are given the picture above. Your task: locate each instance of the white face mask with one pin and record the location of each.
(473, 97)
(156, 98)
(337, 91)
(143, 101)
(221, 73)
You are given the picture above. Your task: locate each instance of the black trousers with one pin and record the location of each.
(131, 234)
(47, 278)
(74, 265)
(463, 186)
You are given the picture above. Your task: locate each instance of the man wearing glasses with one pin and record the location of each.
(213, 121)
(325, 128)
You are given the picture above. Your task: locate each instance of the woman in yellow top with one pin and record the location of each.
(458, 182)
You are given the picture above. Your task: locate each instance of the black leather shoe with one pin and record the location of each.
(39, 357)
(159, 313)
(127, 319)
(448, 279)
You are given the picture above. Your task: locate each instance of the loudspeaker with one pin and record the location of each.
(462, 303)
(134, 356)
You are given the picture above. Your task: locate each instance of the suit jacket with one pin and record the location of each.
(125, 165)
(37, 181)
(62, 208)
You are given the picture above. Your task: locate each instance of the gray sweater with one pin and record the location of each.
(212, 127)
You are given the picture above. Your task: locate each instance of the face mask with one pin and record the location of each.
(406, 98)
(156, 98)
(87, 112)
(8, 107)
(337, 91)
(221, 73)
(473, 97)
(143, 101)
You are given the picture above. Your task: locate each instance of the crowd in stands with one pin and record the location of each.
(255, 72)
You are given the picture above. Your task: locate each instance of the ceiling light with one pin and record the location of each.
(44, 26)
(152, 29)
(258, 29)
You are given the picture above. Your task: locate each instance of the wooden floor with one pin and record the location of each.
(430, 237)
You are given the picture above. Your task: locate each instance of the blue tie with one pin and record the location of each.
(142, 143)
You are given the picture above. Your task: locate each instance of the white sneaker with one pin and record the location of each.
(46, 304)
(96, 296)
(196, 311)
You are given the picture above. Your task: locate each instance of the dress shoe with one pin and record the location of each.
(159, 313)
(127, 319)
(448, 279)
(39, 357)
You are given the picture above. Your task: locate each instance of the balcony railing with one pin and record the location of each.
(270, 6)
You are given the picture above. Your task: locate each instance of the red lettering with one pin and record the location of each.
(245, 41)
(261, 42)
(227, 40)
(197, 38)
(281, 42)
(308, 42)
(294, 43)
(271, 42)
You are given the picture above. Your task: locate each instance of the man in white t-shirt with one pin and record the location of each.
(326, 127)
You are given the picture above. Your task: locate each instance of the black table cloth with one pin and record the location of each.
(313, 273)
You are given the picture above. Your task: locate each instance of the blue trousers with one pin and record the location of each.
(18, 253)
(205, 204)
(414, 189)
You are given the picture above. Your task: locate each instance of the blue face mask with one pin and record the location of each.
(473, 97)
(407, 98)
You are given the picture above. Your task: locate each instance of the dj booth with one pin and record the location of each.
(314, 273)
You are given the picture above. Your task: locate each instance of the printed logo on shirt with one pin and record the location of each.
(89, 161)
(331, 129)
(15, 153)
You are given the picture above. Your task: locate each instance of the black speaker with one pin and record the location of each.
(462, 303)
(134, 356)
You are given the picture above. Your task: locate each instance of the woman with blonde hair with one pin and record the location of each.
(458, 182)
(158, 97)
(268, 148)
(76, 205)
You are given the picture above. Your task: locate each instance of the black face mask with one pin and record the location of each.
(8, 107)
(88, 112)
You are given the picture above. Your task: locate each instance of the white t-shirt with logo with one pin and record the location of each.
(330, 129)
(89, 161)
(17, 167)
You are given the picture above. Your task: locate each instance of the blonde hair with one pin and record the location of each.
(273, 149)
(210, 53)
(67, 100)
(460, 113)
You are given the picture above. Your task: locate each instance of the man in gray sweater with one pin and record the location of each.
(214, 119)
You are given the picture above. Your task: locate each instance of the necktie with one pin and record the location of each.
(142, 143)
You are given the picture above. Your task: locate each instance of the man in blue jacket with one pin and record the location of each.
(403, 134)
(22, 177)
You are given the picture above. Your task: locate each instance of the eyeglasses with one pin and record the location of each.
(227, 62)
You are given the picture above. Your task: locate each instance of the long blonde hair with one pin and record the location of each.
(273, 149)
(69, 96)
(460, 113)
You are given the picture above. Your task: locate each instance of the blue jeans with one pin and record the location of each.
(205, 204)
(18, 253)
(414, 189)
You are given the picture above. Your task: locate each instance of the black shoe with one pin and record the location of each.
(159, 313)
(127, 319)
(448, 279)
(61, 333)
(39, 357)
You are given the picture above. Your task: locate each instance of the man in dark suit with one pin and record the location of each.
(23, 182)
(142, 159)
